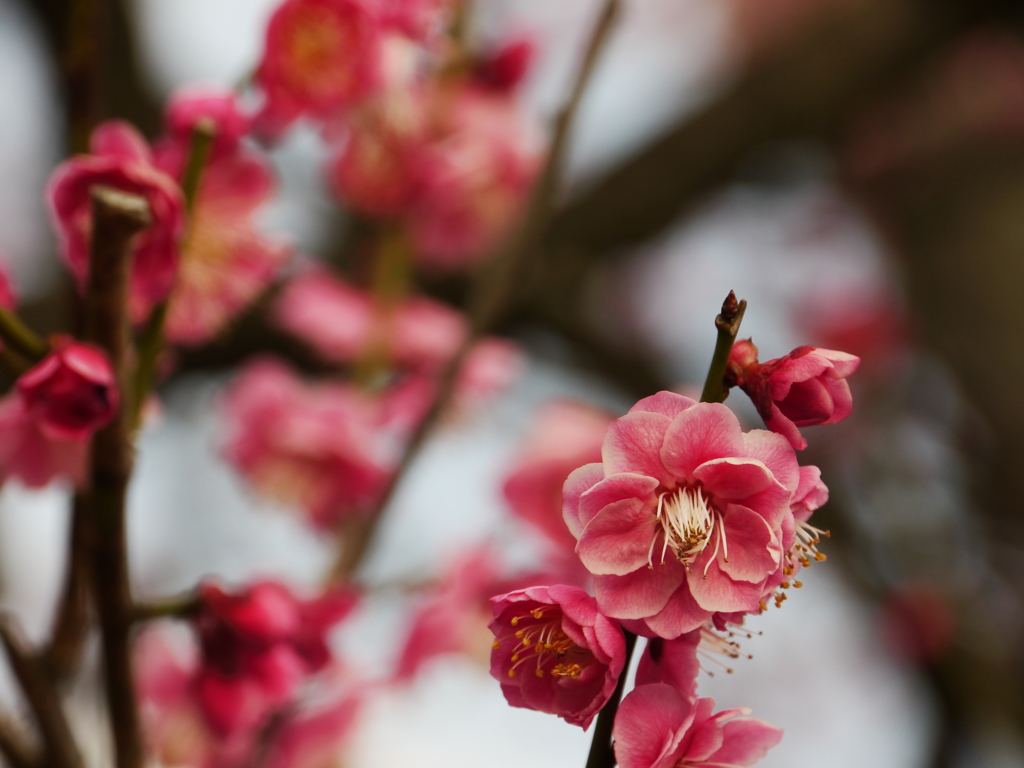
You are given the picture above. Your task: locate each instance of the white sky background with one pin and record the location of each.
(819, 670)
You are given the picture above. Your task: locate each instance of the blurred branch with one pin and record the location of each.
(808, 89)
(93, 47)
(117, 217)
(175, 607)
(13, 746)
(20, 337)
(493, 292)
(72, 618)
(41, 695)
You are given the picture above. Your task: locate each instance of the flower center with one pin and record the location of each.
(687, 522)
(547, 646)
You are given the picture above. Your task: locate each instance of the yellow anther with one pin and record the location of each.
(511, 673)
(515, 620)
(798, 584)
(495, 645)
(539, 672)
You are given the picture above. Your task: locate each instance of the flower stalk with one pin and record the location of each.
(117, 217)
(728, 325)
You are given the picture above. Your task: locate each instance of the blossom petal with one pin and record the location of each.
(753, 548)
(648, 724)
(624, 485)
(667, 404)
(680, 615)
(776, 453)
(634, 444)
(639, 594)
(745, 742)
(734, 479)
(619, 539)
(699, 434)
(579, 481)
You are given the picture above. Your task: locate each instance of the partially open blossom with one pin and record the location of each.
(659, 727)
(32, 454)
(318, 447)
(72, 392)
(684, 517)
(565, 435)
(320, 56)
(120, 158)
(226, 260)
(258, 646)
(555, 652)
(806, 387)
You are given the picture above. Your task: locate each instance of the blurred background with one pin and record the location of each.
(852, 168)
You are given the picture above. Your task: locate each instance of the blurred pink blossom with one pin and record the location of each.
(504, 68)
(72, 392)
(565, 435)
(318, 447)
(320, 56)
(555, 652)
(684, 517)
(188, 106)
(658, 727)
(30, 454)
(120, 158)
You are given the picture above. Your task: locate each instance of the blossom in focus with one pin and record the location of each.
(555, 652)
(806, 387)
(226, 261)
(258, 646)
(120, 158)
(32, 454)
(72, 392)
(659, 727)
(673, 662)
(565, 435)
(319, 57)
(684, 517)
(317, 447)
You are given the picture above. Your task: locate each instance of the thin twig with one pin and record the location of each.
(117, 217)
(42, 696)
(728, 325)
(176, 607)
(602, 754)
(492, 293)
(151, 343)
(20, 337)
(72, 619)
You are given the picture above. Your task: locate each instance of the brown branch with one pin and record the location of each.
(176, 607)
(14, 746)
(491, 296)
(808, 89)
(42, 697)
(117, 217)
(72, 619)
(602, 754)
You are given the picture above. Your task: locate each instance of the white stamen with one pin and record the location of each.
(687, 523)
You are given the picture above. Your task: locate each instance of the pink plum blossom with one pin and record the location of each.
(32, 454)
(72, 392)
(188, 106)
(684, 517)
(342, 324)
(313, 737)
(555, 652)
(565, 435)
(474, 176)
(8, 296)
(504, 68)
(320, 56)
(806, 387)
(673, 662)
(318, 447)
(226, 261)
(659, 727)
(415, 18)
(452, 615)
(120, 158)
(258, 646)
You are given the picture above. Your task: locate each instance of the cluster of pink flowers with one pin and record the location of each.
(233, 695)
(687, 524)
(424, 142)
